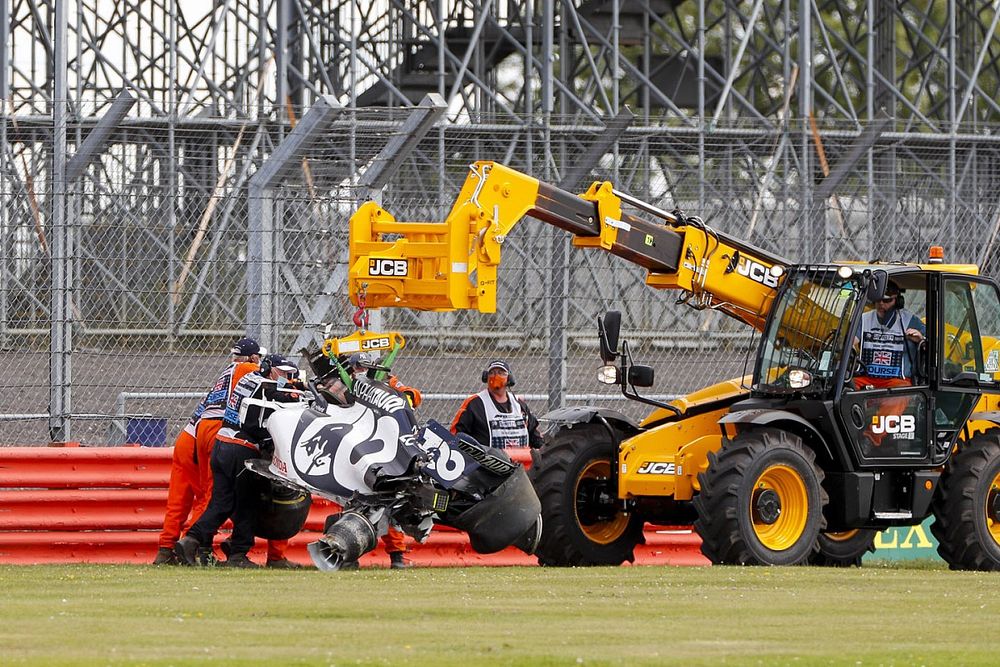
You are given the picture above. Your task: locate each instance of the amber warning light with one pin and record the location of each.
(936, 254)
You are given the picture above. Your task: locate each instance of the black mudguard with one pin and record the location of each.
(585, 414)
(773, 416)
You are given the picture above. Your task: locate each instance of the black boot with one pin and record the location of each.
(165, 556)
(187, 550)
(239, 560)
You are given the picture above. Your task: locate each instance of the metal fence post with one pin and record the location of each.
(61, 290)
(5, 234)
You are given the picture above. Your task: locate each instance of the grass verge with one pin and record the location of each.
(100, 614)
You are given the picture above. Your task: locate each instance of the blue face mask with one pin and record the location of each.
(282, 381)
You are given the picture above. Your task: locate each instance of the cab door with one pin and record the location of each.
(893, 425)
(967, 355)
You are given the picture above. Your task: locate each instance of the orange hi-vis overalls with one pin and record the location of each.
(185, 490)
(188, 493)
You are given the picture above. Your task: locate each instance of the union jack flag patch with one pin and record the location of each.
(882, 358)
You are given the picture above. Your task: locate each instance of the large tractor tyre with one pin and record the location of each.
(967, 506)
(843, 549)
(582, 521)
(761, 500)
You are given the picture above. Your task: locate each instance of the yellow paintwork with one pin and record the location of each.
(967, 269)
(684, 442)
(363, 341)
(715, 392)
(608, 206)
(443, 258)
(790, 524)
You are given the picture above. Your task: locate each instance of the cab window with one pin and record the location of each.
(971, 336)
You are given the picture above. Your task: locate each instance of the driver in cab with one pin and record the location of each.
(889, 339)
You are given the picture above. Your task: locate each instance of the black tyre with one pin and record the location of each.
(967, 506)
(582, 523)
(761, 500)
(843, 549)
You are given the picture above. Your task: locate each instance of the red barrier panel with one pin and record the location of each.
(84, 467)
(105, 505)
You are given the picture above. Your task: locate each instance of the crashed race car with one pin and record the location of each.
(355, 440)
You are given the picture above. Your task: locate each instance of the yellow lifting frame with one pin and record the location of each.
(440, 265)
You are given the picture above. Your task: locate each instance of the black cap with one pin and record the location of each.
(282, 363)
(246, 347)
(499, 363)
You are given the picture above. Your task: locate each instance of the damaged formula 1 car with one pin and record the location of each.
(355, 440)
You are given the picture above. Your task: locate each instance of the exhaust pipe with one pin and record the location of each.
(348, 538)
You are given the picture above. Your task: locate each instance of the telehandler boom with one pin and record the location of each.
(802, 461)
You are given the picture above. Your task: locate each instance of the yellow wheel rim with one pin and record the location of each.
(604, 531)
(842, 536)
(781, 529)
(992, 501)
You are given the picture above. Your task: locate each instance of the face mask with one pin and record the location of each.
(496, 382)
(282, 381)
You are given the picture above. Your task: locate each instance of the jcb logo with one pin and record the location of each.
(655, 468)
(894, 424)
(375, 344)
(756, 272)
(396, 268)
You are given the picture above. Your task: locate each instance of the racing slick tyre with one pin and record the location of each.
(844, 549)
(761, 500)
(582, 520)
(967, 506)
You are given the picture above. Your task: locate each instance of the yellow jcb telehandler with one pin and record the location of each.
(800, 462)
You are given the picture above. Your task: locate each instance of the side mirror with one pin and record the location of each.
(640, 376)
(607, 334)
(876, 285)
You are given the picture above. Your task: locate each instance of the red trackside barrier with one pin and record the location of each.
(106, 504)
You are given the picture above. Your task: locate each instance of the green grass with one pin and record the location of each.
(918, 613)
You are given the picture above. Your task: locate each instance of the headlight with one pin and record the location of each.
(845, 272)
(799, 379)
(607, 375)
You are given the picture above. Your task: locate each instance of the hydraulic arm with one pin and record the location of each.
(453, 264)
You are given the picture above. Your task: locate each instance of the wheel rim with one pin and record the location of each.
(782, 531)
(993, 509)
(842, 536)
(601, 531)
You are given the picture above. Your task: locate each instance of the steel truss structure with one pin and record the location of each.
(173, 173)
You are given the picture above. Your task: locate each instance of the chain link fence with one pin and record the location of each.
(171, 249)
